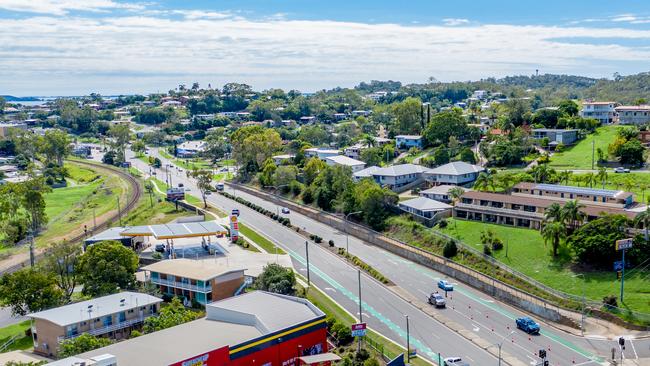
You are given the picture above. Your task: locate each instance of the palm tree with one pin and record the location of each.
(554, 213)
(628, 184)
(643, 218)
(602, 175)
(564, 176)
(369, 140)
(553, 232)
(542, 173)
(455, 194)
(506, 181)
(482, 182)
(572, 214)
(589, 180)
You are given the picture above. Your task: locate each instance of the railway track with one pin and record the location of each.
(131, 202)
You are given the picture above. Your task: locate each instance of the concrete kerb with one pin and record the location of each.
(470, 336)
(475, 279)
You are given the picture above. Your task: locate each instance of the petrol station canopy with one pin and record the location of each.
(176, 231)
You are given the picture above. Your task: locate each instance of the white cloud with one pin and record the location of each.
(56, 55)
(199, 14)
(62, 7)
(455, 21)
(631, 18)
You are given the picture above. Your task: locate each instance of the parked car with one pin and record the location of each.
(528, 325)
(445, 286)
(220, 186)
(181, 185)
(454, 361)
(285, 211)
(160, 248)
(437, 300)
(620, 169)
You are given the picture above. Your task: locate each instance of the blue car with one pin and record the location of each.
(528, 325)
(445, 286)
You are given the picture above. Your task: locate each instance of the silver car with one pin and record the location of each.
(437, 300)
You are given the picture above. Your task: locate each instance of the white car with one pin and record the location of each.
(620, 169)
(285, 211)
(454, 361)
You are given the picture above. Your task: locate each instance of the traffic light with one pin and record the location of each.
(542, 353)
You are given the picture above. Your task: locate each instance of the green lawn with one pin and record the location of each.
(22, 342)
(527, 254)
(579, 156)
(258, 239)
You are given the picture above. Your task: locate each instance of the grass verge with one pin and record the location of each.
(258, 239)
(22, 342)
(579, 155)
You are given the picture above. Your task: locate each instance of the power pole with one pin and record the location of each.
(119, 210)
(593, 147)
(307, 255)
(360, 311)
(408, 341)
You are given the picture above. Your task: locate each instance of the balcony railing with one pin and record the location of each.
(181, 285)
(109, 328)
(501, 211)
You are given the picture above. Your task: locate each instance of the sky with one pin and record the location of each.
(75, 47)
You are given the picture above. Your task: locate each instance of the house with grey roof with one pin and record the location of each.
(424, 208)
(454, 173)
(396, 177)
(342, 160)
(440, 193)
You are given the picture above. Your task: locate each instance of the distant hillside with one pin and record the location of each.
(11, 98)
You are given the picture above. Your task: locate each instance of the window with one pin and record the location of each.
(122, 317)
(108, 320)
(71, 330)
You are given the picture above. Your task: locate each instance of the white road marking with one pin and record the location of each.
(424, 293)
(330, 289)
(486, 300)
(634, 349)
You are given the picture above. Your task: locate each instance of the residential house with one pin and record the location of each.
(423, 207)
(307, 120)
(396, 177)
(559, 136)
(363, 113)
(480, 94)
(604, 112)
(113, 316)
(190, 149)
(321, 153)
(405, 142)
(634, 114)
(6, 128)
(340, 116)
(342, 160)
(283, 158)
(194, 280)
(440, 193)
(454, 173)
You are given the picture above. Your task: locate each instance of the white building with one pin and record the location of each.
(320, 153)
(455, 173)
(280, 159)
(602, 111)
(423, 207)
(440, 193)
(395, 177)
(343, 160)
(633, 114)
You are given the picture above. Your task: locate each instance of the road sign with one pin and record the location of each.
(623, 244)
(397, 361)
(359, 329)
(413, 353)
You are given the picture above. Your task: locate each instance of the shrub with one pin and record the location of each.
(497, 244)
(157, 255)
(610, 302)
(362, 355)
(487, 250)
(331, 243)
(318, 239)
(443, 224)
(135, 333)
(450, 250)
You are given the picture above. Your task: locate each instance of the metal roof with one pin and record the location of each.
(425, 204)
(101, 306)
(172, 231)
(194, 269)
(457, 168)
(401, 169)
(578, 190)
(344, 160)
(114, 233)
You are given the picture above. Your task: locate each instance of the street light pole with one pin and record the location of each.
(360, 311)
(347, 236)
(408, 341)
(500, 344)
(277, 205)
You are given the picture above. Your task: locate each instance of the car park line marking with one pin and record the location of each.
(634, 349)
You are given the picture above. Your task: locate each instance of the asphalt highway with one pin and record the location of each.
(385, 312)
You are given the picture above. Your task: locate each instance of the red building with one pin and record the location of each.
(257, 328)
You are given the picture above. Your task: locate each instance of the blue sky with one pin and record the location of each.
(59, 47)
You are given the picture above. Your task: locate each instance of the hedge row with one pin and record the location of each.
(363, 265)
(283, 220)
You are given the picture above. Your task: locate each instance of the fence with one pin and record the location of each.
(497, 288)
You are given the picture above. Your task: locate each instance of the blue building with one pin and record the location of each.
(405, 142)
